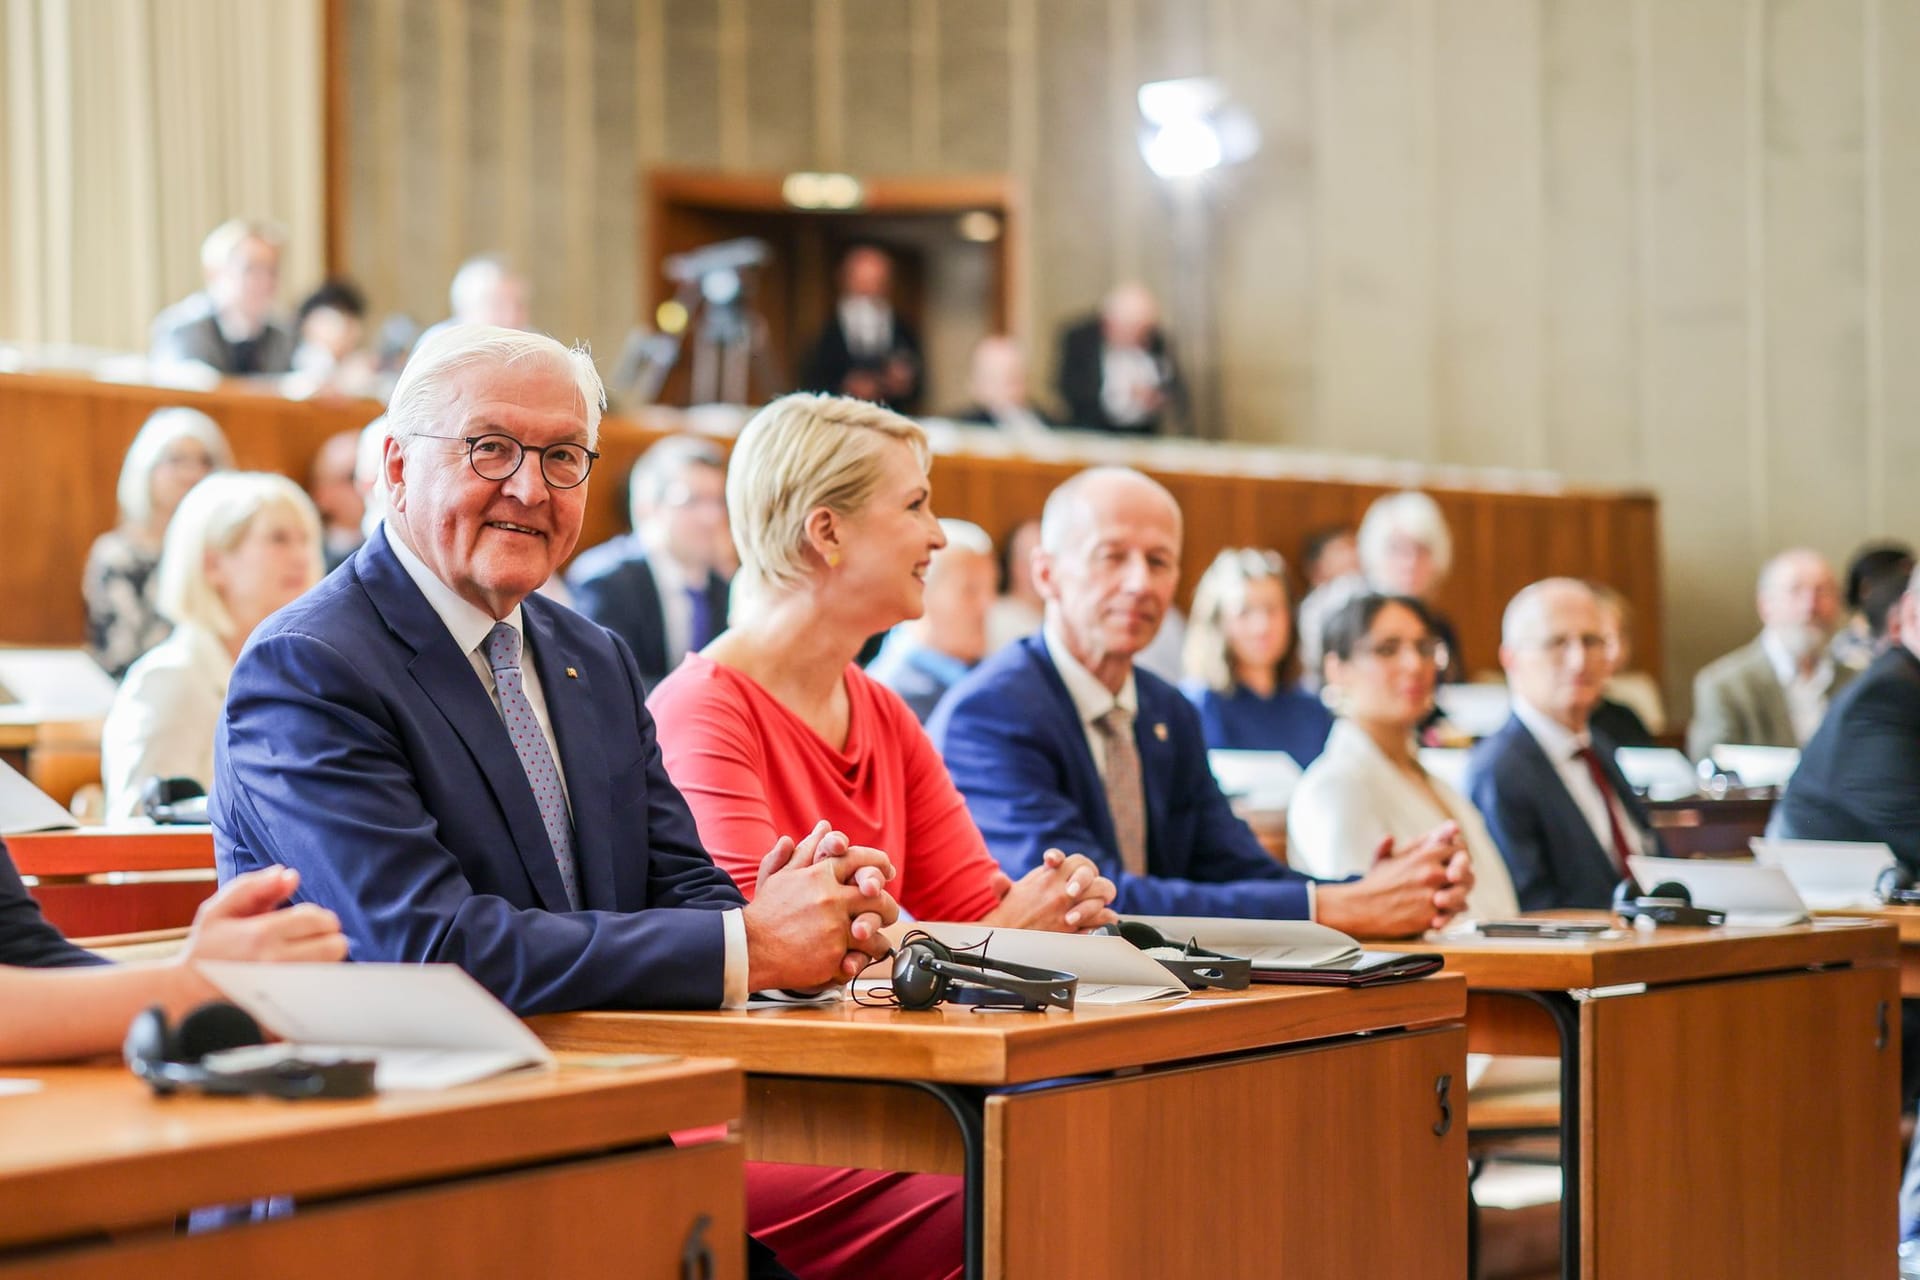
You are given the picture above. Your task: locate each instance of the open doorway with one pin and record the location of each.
(953, 242)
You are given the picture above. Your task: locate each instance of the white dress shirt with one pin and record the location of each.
(1563, 747)
(1128, 378)
(164, 717)
(1806, 695)
(676, 611)
(1353, 796)
(867, 324)
(470, 626)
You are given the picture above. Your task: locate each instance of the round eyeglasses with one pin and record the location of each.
(497, 457)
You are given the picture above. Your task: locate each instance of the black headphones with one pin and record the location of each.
(1669, 902)
(170, 1058)
(174, 800)
(1895, 887)
(927, 971)
(1192, 963)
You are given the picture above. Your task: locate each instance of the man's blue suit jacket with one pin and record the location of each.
(360, 748)
(1016, 749)
(1553, 855)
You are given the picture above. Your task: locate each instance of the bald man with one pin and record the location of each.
(1554, 800)
(1060, 741)
(1116, 371)
(924, 658)
(1775, 691)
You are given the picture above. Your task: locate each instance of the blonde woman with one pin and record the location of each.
(174, 449)
(1242, 663)
(241, 545)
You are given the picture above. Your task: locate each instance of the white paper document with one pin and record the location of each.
(426, 1026)
(1270, 944)
(1263, 779)
(1111, 970)
(25, 807)
(1830, 875)
(53, 684)
(1661, 772)
(1477, 710)
(1758, 766)
(1753, 896)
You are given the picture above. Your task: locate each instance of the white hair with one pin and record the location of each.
(225, 240)
(1774, 568)
(162, 429)
(1059, 518)
(214, 518)
(965, 535)
(477, 277)
(1523, 611)
(1411, 514)
(421, 395)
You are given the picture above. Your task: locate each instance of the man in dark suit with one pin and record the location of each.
(1554, 800)
(455, 797)
(1059, 741)
(866, 349)
(660, 588)
(229, 326)
(1116, 370)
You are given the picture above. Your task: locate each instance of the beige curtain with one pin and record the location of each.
(128, 130)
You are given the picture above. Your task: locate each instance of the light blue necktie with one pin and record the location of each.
(503, 655)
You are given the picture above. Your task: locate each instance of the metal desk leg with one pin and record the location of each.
(966, 1106)
(1565, 1012)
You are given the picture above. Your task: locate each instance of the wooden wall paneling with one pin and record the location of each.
(975, 124)
(780, 89)
(877, 43)
(690, 32)
(1895, 126)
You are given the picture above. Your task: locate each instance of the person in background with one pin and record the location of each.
(866, 349)
(342, 507)
(1876, 577)
(1773, 691)
(1561, 811)
(229, 325)
(369, 479)
(1017, 611)
(64, 1003)
(174, 449)
(331, 358)
(832, 508)
(485, 290)
(998, 384)
(241, 545)
(925, 656)
(1383, 662)
(1117, 372)
(1242, 664)
(1329, 553)
(1617, 716)
(1405, 549)
(660, 588)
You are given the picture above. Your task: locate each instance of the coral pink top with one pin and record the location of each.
(753, 771)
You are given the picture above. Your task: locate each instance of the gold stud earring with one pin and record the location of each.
(833, 559)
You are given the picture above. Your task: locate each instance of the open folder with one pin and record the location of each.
(426, 1026)
(1295, 950)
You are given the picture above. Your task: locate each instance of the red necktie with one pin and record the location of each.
(1605, 787)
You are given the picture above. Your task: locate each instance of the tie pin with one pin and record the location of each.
(572, 674)
(1160, 732)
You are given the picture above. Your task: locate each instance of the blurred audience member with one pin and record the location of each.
(174, 449)
(1876, 578)
(332, 359)
(229, 325)
(1564, 816)
(660, 588)
(1329, 553)
(1019, 609)
(240, 546)
(866, 350)
(928, 655)
(998, 384)
(1773, 691)
(331, 485)
(1405, 549)
(1630, 705)
(1241, 661)
(1383, 661)
(369, 475)
(486, 290)
(1116, 369)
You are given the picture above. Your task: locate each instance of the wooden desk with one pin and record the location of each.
(120, 879)
(1227, 1134)
(1907, 921)
(1729, 1097)
(541, 1174)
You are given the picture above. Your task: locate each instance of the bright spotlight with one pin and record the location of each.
(1190, 128)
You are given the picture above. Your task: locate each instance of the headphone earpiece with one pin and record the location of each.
(916, 982)
(1896, 886)
(927, 972)
(1668, 902)
(171, 1058)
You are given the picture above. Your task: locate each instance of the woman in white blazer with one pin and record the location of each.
(1383, 659)
(240, 545)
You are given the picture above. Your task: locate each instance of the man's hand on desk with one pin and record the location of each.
(816, 916)
(1064, 894)
(1408, 891)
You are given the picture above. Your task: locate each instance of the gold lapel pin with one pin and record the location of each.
(1160, 732)
(575, 675)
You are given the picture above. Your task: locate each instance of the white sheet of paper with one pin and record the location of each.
(13, 1086)
(1753, 896)
(1265, 778)
(53, 684)
(1828, 874)
(1662, 772)
(427, 1026)
(25, 807)
(1111, 970)
(1270, 942)
(1477, 710)
(1758, 766)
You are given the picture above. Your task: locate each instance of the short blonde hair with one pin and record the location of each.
(802, 452)
(162, 429)
(1413, 514)
(214, 518)
(1206, 655)
(225, 240)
